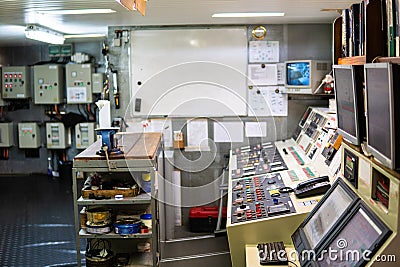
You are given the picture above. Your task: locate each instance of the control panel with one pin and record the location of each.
(6, 134)
(16, 82)
(259, 197)
(259, 159)
(48, 84)
(29, 135)
(79, 83)
(350, 170)
(84, 134)
(58, 137)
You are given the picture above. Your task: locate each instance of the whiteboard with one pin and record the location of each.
(189, 72)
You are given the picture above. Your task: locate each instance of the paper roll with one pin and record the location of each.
(104, 113)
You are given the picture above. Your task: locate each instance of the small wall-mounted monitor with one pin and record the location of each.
(382, 82)
(305, 76)
(349, 96)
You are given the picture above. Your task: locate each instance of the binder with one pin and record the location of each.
(355, 17)
(345, 32)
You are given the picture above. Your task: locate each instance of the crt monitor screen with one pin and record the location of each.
(328, 213)
(356, 239)
(298, 73)
(378, 88)
(344, 90)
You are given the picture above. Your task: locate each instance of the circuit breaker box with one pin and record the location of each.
(58, 137)
(84, 134)
(79, 83)
(16, 82)
(29, 135)
(6, 134)
(48, 84)
(98, 83)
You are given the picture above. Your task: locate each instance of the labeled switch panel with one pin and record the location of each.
(98, 82)
(79, 83)
(58, 137)
(6, 134)
(29, 135)
(49, 84)
(16, 82)
(84, 134)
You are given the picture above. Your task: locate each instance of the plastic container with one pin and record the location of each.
(146, 219)
(204, 219)
(146, 182)
(127, 227)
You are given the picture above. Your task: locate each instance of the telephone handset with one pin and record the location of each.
(312, 187)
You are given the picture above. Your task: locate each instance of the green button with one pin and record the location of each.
(51, 87)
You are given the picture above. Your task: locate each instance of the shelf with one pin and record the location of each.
(140, 259)
(84, 234)
(395, 60)
(359, 60)
(139, 199)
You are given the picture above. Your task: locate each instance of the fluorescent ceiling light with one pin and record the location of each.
(42, 34)
(248, 15)
(77, 11)
(89, 35)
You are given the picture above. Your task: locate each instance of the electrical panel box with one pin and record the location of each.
(48, 84)
(84, 134)
(79, 83)
(6, 134)
(98, 82)
(29, 135)
(58, 137)
(16, 82)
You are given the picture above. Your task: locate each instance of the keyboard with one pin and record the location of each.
(272, 253)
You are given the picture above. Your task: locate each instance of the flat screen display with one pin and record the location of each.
(298, 73)
(327, 215)
(346, 114)
(378, 109)
(355, 242)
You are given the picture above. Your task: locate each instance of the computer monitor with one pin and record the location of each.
(355, 240)
(332, 208)
(349, 96)
(305, 76)
(382, 81)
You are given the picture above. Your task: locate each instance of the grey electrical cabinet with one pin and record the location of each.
(6, 134)
(79, 83)
(48, 84)
(16, 82)
(58, 137)
(29, 135)
(84, 134)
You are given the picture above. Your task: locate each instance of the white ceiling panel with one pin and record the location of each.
(15, 15)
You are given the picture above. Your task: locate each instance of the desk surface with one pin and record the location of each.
(134, 145)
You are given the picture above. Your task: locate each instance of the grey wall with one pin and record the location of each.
(296, 41)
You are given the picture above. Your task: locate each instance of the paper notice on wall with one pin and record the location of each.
(76, 94)
(262, 74)
(256, 129)
(228, 132)
(263, 51)
(281, 73)
(267, 101)
(197, 134)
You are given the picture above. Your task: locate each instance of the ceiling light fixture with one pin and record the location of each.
(248, 15)
(88, 35)
(77, 11)
(42, 34)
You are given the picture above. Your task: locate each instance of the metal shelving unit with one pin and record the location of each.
(141, 152)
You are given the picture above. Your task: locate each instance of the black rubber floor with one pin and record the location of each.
(36, 222)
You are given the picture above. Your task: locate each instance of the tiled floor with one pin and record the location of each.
(36, 222)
